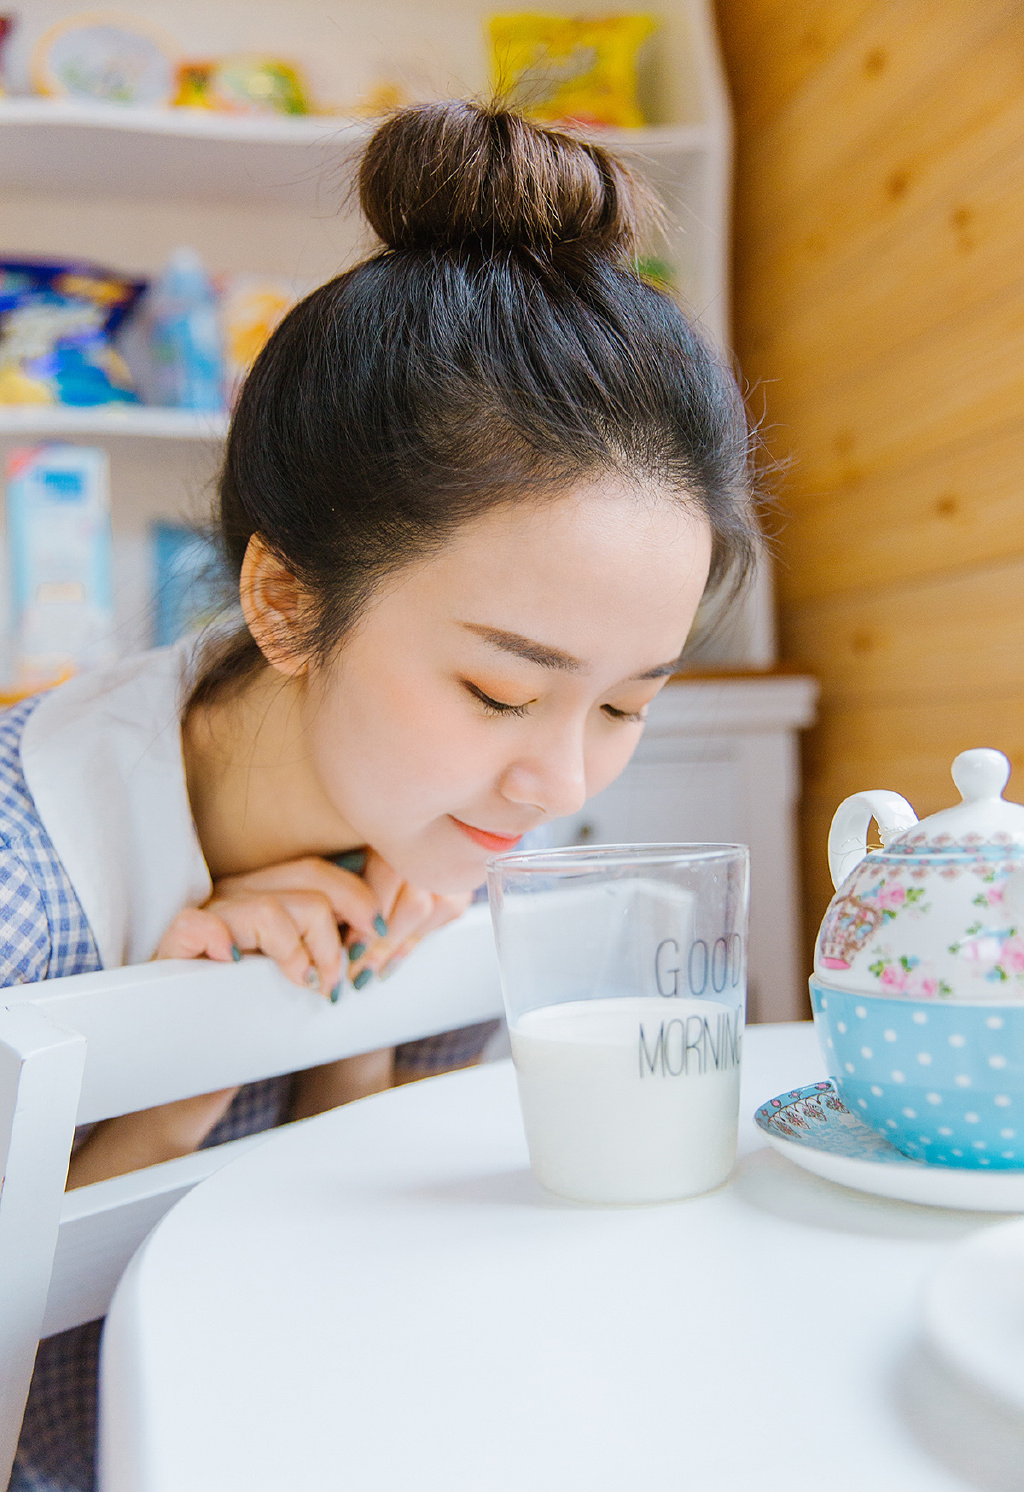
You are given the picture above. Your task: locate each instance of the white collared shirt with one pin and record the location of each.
(102, 758)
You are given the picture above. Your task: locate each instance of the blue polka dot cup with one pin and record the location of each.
(943, 1081)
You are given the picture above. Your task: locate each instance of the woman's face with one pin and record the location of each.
(502, 682)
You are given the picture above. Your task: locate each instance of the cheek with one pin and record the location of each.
(394, 753)
(609, 755)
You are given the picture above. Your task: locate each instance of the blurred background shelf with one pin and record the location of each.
(51, 145)
(52, 421)
(271, 196)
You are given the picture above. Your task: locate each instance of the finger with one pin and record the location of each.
(446, 909)
(314, 916)
(198, 933)
(261, 924)
(412, 910)
(352, 900)
(398, 957)
(384, 882)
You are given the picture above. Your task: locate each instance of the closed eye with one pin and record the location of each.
(494, 706)
(628, 717)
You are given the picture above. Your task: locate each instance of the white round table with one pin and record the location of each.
(382, 1299)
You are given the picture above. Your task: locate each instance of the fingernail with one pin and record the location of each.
(380, 927)
(356, 952)
(363, 977)
(236, 953)
(336, 993)
(311, 979)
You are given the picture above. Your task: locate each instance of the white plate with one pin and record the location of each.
(814, 1129)
(974, 1311)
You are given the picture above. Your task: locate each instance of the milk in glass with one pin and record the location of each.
(630, 1099)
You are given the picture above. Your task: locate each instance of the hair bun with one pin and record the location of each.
(456, 174)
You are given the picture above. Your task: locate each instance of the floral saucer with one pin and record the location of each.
(813, 1128)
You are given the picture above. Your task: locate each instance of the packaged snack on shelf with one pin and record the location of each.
(382, 97)
(242, 85)
(562, 70)
(59, 561)
(111, 58)
(659, 271)
(6, 25)
(189, 583)
(178, 327)
(57, 322)
(251, 307)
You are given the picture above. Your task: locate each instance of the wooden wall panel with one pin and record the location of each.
(880, 325)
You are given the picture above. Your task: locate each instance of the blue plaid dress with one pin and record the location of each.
(44, 934)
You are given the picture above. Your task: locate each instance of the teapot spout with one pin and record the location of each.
(848, 836)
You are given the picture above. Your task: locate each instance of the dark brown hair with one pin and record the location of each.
(501, 345)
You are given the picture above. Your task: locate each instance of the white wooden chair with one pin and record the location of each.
(97, 1045)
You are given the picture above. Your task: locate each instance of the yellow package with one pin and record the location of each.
(251, 309)
(569, 71)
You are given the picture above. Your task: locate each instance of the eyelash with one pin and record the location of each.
(494, 706)
(498, 707)
(628, 717)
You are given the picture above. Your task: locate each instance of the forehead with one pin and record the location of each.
(608, 568)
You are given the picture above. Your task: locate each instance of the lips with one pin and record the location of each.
(495, 842)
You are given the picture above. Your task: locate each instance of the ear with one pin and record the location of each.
(272, 604)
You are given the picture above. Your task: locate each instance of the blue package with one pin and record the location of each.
(57, 324)
(59, 555)
(190, 583)
(186, 351)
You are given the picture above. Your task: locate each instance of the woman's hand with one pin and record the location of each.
(409, 913)
(312, 919)
(294, 913)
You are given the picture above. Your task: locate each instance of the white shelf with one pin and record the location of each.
(66, 147)
(105, 420)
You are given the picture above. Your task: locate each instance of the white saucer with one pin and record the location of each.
(974, 1312)
(813, 1128)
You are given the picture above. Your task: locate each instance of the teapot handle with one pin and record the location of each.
(848, 836)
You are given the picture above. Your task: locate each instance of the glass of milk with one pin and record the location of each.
(623, 969)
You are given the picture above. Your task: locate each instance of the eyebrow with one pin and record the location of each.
(549, 657)
(659, 671)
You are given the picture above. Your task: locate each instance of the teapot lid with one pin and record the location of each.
(984, 817)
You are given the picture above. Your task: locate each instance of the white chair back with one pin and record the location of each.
(87, 1048)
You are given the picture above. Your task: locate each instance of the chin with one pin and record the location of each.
(450, 883)
(445, 874)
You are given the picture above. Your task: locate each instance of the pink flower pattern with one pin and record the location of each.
(908, 977)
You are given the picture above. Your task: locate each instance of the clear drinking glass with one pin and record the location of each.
(623, 969)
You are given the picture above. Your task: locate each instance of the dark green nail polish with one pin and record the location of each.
(356, 952)
(380, 926)
(353, 860)
(363, 977)
(236, 953)
(336, 993)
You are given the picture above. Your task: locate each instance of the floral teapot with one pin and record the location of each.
(938, 912)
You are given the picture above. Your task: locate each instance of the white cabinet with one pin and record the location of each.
(719, 762)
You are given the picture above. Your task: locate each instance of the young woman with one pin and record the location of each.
(474, 491)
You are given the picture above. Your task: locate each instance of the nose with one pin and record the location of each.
(553, 780)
